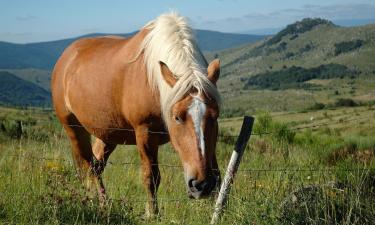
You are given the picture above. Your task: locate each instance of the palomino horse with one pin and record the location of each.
(134, 90)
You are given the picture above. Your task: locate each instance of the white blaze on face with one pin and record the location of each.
(197, 109)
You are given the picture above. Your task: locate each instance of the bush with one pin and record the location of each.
(283, 133)
(11, 128)
(347, 46)
(306, 48)
(263, 123)
(295, 76)
(345, 102)
(279, 131)
(317, 106)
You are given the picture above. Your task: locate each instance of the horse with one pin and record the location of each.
(146, 90)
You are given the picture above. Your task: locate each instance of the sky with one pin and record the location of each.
(24, 21)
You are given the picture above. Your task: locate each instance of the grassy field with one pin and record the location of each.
(313, 167)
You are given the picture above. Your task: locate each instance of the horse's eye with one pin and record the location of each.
(178, 119)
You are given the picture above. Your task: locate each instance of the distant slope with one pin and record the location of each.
(43, 55)
(308, 43)
(16, 91)
(214, 41)
(309, 61)
(39, 77)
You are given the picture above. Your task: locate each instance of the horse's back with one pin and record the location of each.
(84, 80)
(94, 81)
(84, 61)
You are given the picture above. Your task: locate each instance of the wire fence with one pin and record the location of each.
(244, 170)
(315, 126)
(221, 136)
(254, 171)
(224, 136)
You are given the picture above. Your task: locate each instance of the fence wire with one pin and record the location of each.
(313, 126)
(244, 170)
(220, 136)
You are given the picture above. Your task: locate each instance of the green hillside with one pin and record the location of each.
(44, 55)
(16, 91)
(321, 44)
(311, 61)
(39, 77)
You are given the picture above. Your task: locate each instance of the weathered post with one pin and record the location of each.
(243, 138)
(19, 129)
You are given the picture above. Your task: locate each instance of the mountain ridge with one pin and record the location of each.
(43, 55)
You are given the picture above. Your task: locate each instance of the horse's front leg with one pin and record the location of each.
(148, 150)
(101, 151)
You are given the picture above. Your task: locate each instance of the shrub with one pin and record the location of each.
(11, 128)
(347, 46)
(280, 131)
(345, 102)
(263, 123)
(289, 55)
(306, 48)
(317, 106)
(295, 76)
(283, 133)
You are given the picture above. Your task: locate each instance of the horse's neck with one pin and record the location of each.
(148, 100)
(131, 49)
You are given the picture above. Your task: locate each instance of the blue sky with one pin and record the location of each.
(40, 20)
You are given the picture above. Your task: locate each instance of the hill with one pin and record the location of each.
(43, 55)
(316, 42)
(308, 62)
(39, 77)
(16, 91)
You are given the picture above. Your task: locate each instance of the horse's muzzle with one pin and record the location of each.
(203, 188)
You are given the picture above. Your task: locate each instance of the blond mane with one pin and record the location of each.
(170, 40)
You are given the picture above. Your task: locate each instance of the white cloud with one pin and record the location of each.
(285, 16)
(26, 18)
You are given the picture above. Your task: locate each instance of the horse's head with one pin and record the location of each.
(193, 131)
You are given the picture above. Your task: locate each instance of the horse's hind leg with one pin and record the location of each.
(101, 152)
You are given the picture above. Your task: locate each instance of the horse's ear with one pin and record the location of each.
(213, 71)
(167, 74)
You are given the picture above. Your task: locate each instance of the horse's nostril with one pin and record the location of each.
(190, 183)
(198, 186)
(195, 185)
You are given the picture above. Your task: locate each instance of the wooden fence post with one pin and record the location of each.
(243, 138)
(19, 129)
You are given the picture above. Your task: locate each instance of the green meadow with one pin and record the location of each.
(310, 167)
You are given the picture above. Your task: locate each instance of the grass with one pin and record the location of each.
(279, 182)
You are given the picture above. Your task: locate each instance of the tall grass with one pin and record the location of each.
(285, 177)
